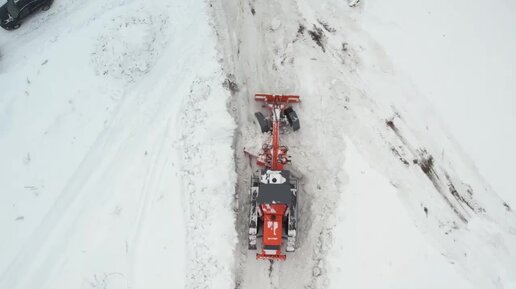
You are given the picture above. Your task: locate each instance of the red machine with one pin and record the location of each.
(274, 191)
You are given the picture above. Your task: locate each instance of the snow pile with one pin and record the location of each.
(208, 182)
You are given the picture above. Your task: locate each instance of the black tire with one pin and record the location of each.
(16, 26)
(292, 118)
(265, 124)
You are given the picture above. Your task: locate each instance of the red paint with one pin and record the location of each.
(273, 157)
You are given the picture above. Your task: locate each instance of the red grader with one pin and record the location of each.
(273, 191)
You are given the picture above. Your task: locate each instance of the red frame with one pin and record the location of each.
(273, 157)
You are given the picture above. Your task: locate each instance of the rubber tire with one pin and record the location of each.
(292, 118)
(265, 124)
(16, 26)
(45, 8)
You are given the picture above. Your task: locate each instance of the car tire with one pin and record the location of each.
(16, 26)
(45, 8)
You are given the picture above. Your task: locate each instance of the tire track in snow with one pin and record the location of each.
(155, 174)
(75, 199)
(63, 212)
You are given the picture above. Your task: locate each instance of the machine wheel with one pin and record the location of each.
(16, 26)
(265, 124)
(292, 118)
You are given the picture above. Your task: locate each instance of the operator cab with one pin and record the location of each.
(273, 213)
(274, 188)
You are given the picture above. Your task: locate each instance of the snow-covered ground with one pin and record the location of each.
(471, 44)
(122, 128)
(360, 255)
(109, 112)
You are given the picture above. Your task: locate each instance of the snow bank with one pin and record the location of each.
(209, 179)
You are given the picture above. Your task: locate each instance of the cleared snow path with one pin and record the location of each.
(259, 57)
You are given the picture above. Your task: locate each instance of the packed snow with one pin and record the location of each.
(123, 125)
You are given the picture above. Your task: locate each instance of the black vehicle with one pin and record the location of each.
(12, 12)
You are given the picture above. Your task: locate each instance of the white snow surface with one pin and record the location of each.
(411, 261)
(122, 129)
(471, 44)
(117, 168)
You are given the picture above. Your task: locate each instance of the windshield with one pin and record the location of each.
(12, 9)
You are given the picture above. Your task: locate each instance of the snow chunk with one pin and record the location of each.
(275, 24)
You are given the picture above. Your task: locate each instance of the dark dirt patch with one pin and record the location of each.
(469, 190)
(345, 47)
(456, 194)
(301, 29)
(318, 37)
(426, 163)
(453, 226)
(230, 84)
(353, 3)
(326, 26)
(251, 7)
(390, 123)
(436, 174)
(398, 155)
